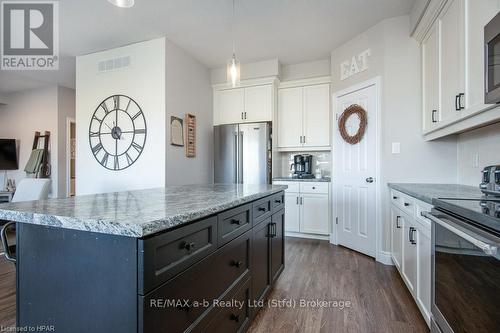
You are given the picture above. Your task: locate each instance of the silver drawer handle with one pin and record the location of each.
(489, 249)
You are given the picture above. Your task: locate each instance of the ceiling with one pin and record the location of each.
(291, 30)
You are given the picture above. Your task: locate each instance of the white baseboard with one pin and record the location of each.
(384, 257)
(309, 236)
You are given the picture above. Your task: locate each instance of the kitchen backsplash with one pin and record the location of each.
(321, 159)
(477, 149)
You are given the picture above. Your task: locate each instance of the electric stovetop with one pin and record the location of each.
(484, 211)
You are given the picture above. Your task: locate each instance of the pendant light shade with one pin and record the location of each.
(233, 65)
(233, 71)
(122, 3)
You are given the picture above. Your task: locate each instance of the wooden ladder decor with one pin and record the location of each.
(45, 169)
(190, 121)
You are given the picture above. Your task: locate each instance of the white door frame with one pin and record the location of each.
(377, 82)
(69, 120)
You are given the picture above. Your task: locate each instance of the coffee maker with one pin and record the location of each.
(302, 165)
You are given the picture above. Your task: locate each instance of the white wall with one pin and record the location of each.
(265, 68)
(188, 90)
(395, 57)
(305, 70)
(26, 113)
(144, 81)
(483, 142)
(66, 110)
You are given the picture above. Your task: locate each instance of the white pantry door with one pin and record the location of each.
(355, 168)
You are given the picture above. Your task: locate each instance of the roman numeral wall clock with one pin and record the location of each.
(117, 132)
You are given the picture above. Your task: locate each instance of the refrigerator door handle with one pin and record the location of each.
(240, 157)
(236, 180)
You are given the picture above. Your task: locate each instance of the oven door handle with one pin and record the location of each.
(489, 249)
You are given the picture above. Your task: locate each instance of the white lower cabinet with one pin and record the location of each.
(314, 214)
(396, 238)
(411, 247)
(307, 208)
(409, 254)
(292, 211)
(424, 290)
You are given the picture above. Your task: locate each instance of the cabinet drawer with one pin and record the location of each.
(235, 318)
(309, 187)
(162, 257)
(262, 208)
(293, 187)
(232, 223)
(408, 205)
(209, 280)
(278, 202)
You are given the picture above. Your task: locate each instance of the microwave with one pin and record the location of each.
(492, 61)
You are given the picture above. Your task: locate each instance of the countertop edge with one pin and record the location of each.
(126, 229)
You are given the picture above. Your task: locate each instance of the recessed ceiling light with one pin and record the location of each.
(122, 3)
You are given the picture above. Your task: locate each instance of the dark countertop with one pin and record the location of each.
(290, 179)
(136, 213)
(428, 192)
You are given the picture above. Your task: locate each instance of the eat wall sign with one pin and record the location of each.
(357, 64)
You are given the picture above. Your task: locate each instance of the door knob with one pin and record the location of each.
(369, 180)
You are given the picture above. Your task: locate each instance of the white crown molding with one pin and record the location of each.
(427, 19)
(247, 83)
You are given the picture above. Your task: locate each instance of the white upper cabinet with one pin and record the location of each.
(451, 26)
(304, 116)
(452, 36)
(254, 103)
(430, 63)
(229, 105)
(290, 117)
(316, 115)
(479, 13)
(258, 103)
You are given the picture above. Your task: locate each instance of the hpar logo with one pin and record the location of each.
(30, 35)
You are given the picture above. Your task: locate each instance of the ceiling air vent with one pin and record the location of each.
(113, 64)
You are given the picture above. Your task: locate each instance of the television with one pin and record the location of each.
(8, 154)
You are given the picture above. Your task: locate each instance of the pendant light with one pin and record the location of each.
(233, 65)
(122, 3)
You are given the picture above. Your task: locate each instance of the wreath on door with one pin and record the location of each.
(354, 109)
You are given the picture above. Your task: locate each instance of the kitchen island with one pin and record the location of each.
(159, 260)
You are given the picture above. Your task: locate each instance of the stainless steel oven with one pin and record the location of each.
(465, 276)
(492, 61)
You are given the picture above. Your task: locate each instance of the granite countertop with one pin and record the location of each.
(136, 213)
(428, 192)
(290, 179)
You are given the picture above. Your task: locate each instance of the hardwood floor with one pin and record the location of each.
(315, 269)
(7, 294)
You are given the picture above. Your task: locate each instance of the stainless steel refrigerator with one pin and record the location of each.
(242, 153)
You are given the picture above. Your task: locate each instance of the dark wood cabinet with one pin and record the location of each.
(172, 281)
(277, 244)
(261, 260)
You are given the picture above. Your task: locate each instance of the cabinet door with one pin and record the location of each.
(452, 39)
(424, 271)
(430, 63)
(290, 117)
(260, 260)
(478, 14)
(258, 103)
(396, 237)
(316, 115)
(314, 214)
(278, 245)
(230, 106)
(292, 210)
(409, 254)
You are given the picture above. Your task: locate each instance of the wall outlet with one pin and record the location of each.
(396, 147)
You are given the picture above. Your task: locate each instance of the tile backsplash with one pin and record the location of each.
(321, 159)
